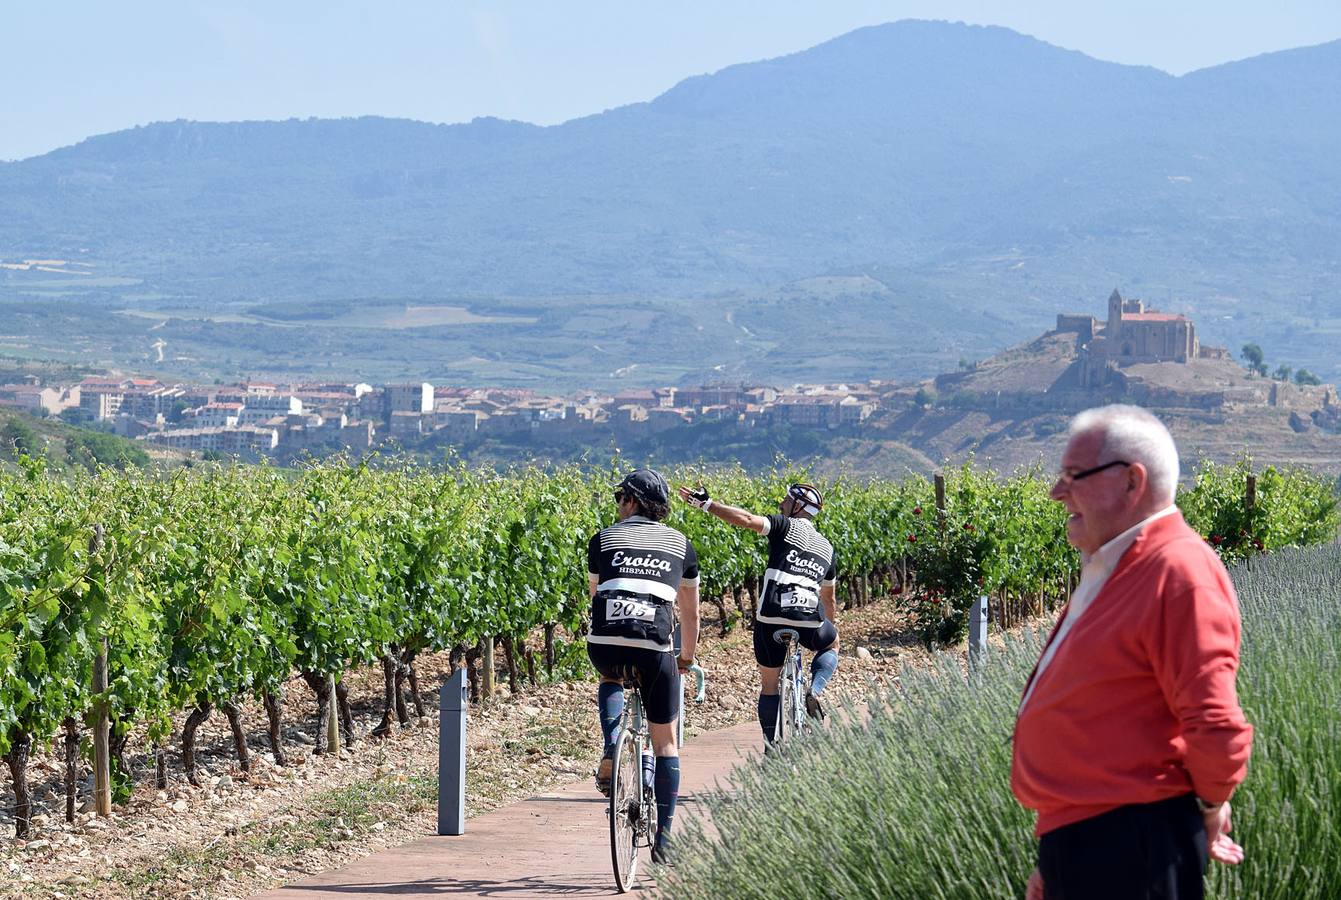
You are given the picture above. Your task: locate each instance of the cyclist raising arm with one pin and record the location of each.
(637, 568)
(798, 591)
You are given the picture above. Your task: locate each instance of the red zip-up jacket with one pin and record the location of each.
(1138, 703)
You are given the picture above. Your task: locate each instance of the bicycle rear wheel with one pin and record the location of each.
(786, 725)
(625, 807)
(799, 715)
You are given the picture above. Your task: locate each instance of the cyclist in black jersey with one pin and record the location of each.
(798, 592)
(638, 570)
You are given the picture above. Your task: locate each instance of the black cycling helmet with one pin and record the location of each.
(809, 496)
(645, 485)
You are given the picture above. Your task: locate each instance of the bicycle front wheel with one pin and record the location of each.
(625, 808)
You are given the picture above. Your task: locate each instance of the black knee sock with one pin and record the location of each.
(768, 714)
(667, 790)
(610, 701)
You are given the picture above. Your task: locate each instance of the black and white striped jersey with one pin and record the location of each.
(639, 566)
(800, 560)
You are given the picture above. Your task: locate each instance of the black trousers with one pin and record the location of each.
(1147, 850)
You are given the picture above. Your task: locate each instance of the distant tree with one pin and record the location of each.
(74, 415)
(93, 449)
(1256, 359)
(18, 438)
(213, 456)
(923, 398)
(1282, 372)
(962, 400)
(1304, 376)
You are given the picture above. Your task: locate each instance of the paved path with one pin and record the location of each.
(551, 845)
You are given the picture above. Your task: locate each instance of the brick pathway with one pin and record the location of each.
(555, 844)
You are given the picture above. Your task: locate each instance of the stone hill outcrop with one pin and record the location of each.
(1012, 409)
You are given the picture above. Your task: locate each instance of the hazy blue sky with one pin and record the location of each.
(72, 69)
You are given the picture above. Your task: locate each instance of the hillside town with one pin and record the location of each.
(256, 418)
(1137, 354)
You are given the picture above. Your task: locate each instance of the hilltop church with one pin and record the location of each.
(1133, 334)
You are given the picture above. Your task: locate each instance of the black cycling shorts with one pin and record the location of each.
(768, 652)
(654, 671)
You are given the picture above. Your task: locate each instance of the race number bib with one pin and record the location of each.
(623, 609)
(798, 599)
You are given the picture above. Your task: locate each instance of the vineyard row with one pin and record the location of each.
(199, 590)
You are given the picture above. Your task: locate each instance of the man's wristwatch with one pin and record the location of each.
(1206, 807)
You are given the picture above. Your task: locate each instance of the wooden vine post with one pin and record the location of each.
(487, 663)
(102, 754)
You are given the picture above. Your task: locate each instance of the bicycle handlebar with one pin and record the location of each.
(700, 682)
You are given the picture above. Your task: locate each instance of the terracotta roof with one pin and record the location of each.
(337, 396)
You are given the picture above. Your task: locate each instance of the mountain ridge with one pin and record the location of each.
(1001, 175)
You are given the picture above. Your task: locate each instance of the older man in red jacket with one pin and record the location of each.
(1129, 738)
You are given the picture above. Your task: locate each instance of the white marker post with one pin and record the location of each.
(977, 648)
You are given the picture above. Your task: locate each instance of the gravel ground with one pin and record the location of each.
(243, 832)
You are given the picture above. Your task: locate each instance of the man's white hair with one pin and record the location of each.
(1133, 434)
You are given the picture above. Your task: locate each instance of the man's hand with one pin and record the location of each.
(1034, 889)
(731, 515)
(683, 664)
(1219, 845)
(697, 498)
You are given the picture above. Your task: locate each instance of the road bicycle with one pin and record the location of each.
(633, 810)
(793, 684)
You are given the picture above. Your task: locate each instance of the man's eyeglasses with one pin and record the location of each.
(1068, 478)
(619, 495)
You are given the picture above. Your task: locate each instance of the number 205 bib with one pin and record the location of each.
(638, 617)
(619, 609)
